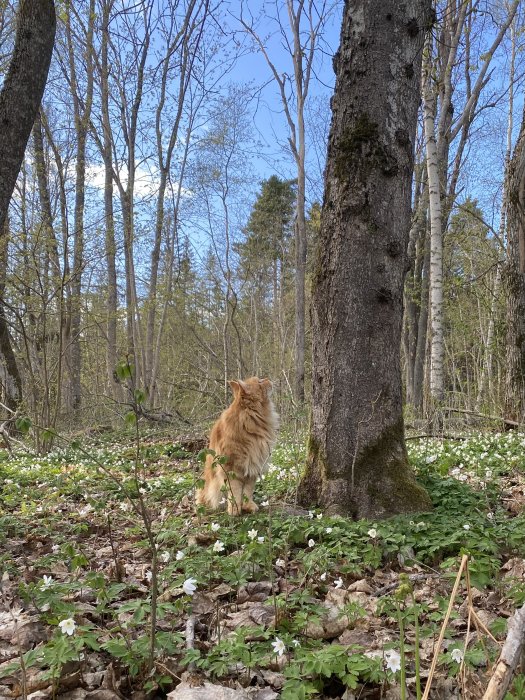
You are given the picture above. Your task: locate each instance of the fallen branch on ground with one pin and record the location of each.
(509, 657)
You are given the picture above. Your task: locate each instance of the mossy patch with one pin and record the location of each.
(390, 485)
(311, 484)
(384, 484)
(360, 146)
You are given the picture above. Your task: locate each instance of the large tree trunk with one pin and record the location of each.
(20, 99)
(357, 462)
(23, 89)
(10, 380)
(515, 284)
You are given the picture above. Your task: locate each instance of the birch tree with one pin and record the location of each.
(441, 130)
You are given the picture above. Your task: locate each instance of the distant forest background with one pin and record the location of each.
(165, 218)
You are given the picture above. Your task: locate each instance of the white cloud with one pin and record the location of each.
(146, 181)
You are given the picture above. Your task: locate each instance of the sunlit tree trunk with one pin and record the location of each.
(515, 284)
(20, 99)
(82, 104)
(357, 461)
(437, 352)
(486, 369)
(109, 219)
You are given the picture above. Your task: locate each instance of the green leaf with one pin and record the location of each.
(23, 424)
(140, 396)
(48, 433)
(130, 418)
(124, 370)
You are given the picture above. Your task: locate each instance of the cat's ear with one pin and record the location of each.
(266, 383)
(236, 386)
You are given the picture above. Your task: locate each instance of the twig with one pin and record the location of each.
(165, 669)
(464, 561)
(412, 577)
(434, 436)
(501, 419)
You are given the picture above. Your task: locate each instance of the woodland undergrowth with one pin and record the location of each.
(110, 579)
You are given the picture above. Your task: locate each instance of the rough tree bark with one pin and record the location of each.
(23, 89)
(20, 99)
(357, 462)
(514, 276)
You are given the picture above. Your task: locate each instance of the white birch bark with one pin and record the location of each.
(437, 149)
(437, 347)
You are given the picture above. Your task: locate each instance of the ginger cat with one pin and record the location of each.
(244, 433)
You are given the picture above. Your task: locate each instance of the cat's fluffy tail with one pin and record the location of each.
(211, 493)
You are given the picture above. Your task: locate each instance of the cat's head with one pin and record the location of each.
(252, 390)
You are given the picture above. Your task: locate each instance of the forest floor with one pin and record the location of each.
(285, 603)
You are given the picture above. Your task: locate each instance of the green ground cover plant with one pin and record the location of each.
(110, 578)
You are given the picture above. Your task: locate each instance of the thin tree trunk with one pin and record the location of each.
(416, 255)
(302, 54)
(129, 119)
(486, 369)
(182, 42)
(436, 232)
(82, 111)
(64, 307)
(422, 329)
(52, 287)
(109, 220)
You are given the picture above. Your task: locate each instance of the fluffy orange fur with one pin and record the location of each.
(244, 433)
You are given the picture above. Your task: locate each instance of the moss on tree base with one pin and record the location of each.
(379, 483)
